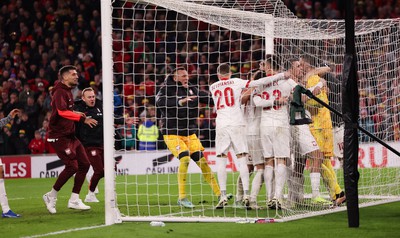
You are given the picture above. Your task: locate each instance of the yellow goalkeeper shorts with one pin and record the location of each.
(177, 144)
(324, 138)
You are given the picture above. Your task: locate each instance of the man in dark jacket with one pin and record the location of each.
(178, 101)
(92, 138)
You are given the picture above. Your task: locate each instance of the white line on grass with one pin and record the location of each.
(65, 231)
(12, 199)
(29, 198)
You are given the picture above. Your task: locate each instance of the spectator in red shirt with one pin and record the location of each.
(129, 86)
(37, 145)
(148, 86)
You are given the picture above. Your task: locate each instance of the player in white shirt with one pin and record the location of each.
(252, 117)
(230, 125)
(275, 137)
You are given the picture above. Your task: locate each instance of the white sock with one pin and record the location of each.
(301, 186)
(268, 177)
(280, 179)
(256, 184)
(221, 173)
(244, 174)
(297, 187)
(53, 193)
(88, 177)
(74, 197)
(3, 197)
(239, 189)
(315, 181)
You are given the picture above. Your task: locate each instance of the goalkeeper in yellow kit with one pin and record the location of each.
(321, 128)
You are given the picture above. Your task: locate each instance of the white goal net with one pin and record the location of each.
(151, 38)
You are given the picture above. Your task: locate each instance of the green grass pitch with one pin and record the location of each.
(25, 197)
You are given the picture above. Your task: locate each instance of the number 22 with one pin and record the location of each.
(276, 93)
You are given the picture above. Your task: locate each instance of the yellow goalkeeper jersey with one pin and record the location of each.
(321, 115)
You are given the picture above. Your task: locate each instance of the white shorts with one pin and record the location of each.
(275, 141)
(255, 150)
(231, 136)
(303, 140)
(338, 140)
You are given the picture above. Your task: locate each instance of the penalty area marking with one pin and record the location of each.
(65, 231)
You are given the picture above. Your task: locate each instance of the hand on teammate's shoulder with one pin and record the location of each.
(287, 75)
(81, 114)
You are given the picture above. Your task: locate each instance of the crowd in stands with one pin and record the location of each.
(38, 37)
(333, 9)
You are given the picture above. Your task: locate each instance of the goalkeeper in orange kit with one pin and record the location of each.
(321, 128)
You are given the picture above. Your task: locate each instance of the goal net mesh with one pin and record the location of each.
(152, 37)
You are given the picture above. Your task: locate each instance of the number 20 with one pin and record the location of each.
(227, 96)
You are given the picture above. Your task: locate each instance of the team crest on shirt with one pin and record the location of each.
(93, 152)
(99, 112)
(177, 147)
(68, 151)
(314, 143)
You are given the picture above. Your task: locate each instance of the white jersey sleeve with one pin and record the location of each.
(267, 80)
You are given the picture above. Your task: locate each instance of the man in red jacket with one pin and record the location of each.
(62, 138)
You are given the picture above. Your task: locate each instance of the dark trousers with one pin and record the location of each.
(72, 153)
(96, 158)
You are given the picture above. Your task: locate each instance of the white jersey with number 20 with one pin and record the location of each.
(226, 95)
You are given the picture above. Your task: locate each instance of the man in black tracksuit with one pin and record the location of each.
(178, 101)
(92, 137)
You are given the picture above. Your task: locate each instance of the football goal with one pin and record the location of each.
(144, 41)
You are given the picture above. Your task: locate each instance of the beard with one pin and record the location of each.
(73, 84)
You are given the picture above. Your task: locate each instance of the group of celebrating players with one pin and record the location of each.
(253, 120)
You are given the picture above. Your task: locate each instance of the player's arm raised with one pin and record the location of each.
(322, 70)
(269, 79)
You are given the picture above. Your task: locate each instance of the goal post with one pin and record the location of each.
(142, 41)
(112, 215)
